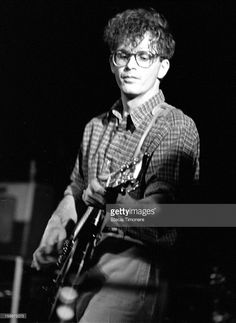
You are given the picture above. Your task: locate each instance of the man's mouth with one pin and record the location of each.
(129, 78)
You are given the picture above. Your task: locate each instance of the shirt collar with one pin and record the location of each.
(139, 113)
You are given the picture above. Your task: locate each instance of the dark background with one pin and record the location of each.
(54, 76)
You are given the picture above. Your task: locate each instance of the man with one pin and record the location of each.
(140, 49)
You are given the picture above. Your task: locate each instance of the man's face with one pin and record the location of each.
(132, 79)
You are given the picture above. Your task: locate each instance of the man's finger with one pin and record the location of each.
(96, 187)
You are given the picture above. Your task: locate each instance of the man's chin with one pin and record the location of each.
(130, 93)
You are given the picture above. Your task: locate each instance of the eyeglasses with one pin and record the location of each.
(143, 59)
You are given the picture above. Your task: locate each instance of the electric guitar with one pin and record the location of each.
(78, 248)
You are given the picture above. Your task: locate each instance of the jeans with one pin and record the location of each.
(122, 287)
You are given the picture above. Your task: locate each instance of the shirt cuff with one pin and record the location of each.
(160, 188)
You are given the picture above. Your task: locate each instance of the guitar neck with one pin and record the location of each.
(82, 221)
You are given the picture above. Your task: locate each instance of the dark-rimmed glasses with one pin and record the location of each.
(143, 58)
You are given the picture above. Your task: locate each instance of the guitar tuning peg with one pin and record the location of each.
(122, 190)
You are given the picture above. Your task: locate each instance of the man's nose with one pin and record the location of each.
(131, 62)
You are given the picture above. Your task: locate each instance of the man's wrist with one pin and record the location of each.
(55, 221)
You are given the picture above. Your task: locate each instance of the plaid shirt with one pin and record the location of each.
(110, 140)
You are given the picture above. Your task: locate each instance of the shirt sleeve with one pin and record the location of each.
(76, 187)
(79, 174)
(174, 165)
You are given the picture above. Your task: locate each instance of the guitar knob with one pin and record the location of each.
(65, 313)
(68, 295)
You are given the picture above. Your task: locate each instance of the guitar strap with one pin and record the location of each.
(155, 131)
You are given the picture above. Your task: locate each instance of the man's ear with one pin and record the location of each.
(163, 69)
(112, 65)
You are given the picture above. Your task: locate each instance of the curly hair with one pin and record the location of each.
(130, 26)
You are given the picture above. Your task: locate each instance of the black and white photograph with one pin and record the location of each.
(117, 161)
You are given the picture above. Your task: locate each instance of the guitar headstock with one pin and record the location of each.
(127, 178)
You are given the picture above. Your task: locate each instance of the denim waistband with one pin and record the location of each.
(120, 234)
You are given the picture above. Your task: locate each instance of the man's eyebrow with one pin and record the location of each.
(125, 51)
(131, 52)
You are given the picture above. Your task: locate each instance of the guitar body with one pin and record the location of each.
(78, 249)
(76, 256)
